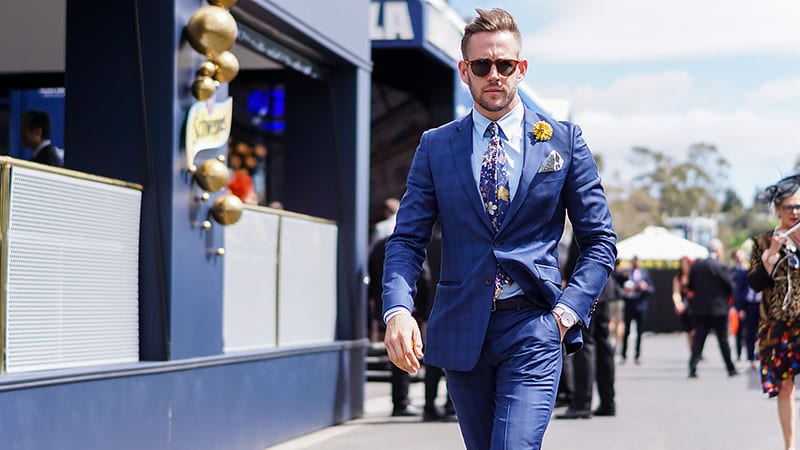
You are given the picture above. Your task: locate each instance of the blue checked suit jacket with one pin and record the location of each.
(441, 185)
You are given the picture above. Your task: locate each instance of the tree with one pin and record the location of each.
(632, 211)
(684, 188)
(731, 203)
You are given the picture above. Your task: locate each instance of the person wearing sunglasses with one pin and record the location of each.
(501, 181)
(775, 272)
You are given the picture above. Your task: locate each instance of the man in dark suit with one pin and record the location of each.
(501, 181)
(637, 288)
(399, 379)
(595, 362)
(711, 283)
(35, 134)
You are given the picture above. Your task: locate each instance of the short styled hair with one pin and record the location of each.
(493, 20)
(34, 119)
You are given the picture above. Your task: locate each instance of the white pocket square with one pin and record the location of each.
(553, 163)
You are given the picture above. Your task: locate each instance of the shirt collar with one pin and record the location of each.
(45, 143)
(510, 124)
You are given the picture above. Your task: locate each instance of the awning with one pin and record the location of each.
(657, 243)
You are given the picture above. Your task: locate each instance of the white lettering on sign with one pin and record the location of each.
(396, 23)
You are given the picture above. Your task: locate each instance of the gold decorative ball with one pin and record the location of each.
(227, 4)
(203, 88)
(211, 30)
(212, 175)
(226, 67)
(207, 69)
(227, 209)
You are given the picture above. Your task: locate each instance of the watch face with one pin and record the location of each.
(566, 318)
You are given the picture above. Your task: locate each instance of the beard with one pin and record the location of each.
(492, 105)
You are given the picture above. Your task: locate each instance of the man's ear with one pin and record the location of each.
(523, 69)
(462, 71)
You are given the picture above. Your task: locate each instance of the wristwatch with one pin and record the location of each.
(565, 316)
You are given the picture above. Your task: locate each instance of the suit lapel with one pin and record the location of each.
(461, 149)
(533, 157)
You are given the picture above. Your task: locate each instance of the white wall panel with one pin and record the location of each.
(251, 261)
(72, 282)
(307, 282)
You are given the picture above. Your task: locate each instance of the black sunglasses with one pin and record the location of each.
(482, 67)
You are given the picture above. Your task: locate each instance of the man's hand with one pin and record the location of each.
(404, 342)
(561, 328)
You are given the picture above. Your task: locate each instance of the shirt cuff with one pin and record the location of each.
(569, 310)
(391, 312)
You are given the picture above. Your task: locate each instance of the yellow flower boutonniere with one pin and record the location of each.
(542, 131)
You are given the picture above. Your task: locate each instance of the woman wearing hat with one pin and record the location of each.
(775, 271)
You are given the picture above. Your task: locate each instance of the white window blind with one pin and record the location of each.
(72, 272)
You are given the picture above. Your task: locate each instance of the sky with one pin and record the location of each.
(666, 75)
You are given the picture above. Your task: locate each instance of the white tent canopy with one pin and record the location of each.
(658, 243)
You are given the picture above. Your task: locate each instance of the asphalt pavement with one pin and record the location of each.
(658, 407)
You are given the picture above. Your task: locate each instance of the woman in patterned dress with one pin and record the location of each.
(681, 294)
(775, 271)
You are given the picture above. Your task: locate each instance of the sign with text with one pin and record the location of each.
(208, 125)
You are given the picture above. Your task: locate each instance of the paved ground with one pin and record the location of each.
(658, 407)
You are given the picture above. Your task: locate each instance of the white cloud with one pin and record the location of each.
(775, 92)
(637, 93)
(632, 30)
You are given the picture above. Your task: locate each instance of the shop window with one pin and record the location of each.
(256, 138)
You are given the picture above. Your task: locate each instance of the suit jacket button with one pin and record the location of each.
(497, 243)
(489, 281)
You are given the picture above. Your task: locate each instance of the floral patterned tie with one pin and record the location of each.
(495, 193)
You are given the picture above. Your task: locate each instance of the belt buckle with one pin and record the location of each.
(494, 305)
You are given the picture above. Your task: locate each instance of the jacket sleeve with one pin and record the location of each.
(589, 214)
(406, 247)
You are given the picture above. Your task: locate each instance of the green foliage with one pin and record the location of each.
(695, 185)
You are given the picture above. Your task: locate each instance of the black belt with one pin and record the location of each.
(515, 302)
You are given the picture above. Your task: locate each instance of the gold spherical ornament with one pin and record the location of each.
(227, 4)
(207, 69)
(203, 88)
(211, 30)
(227, 67)
(212, 175)
(227, 209)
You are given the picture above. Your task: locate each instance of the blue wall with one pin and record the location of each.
(230, 403)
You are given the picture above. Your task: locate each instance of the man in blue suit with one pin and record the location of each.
(501, 181)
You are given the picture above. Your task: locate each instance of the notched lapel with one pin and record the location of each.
(461, 149)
